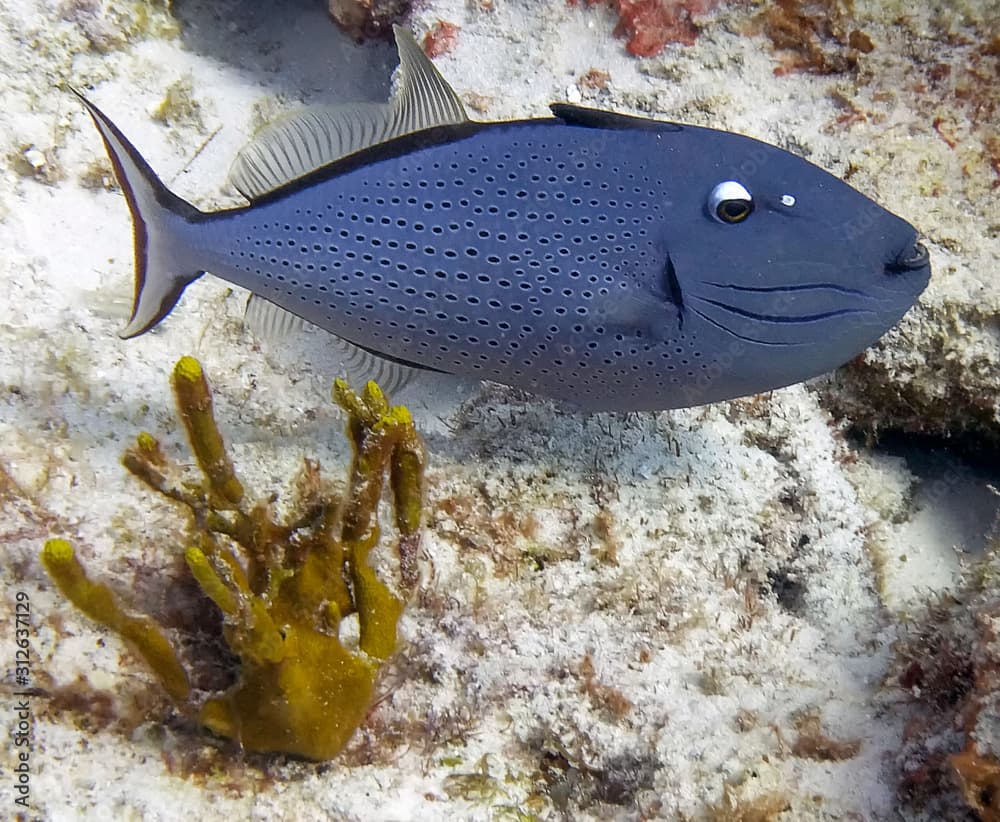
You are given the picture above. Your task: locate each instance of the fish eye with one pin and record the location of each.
(730, 202)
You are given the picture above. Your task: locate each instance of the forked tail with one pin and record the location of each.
(162, 222)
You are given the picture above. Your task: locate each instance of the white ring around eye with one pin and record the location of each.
(725, 191)
(788, 200)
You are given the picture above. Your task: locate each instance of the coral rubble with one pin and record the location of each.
(949, 664)
(818, 37)
(649, 25)
(368, 18)
(441, 39)
(936, 375)
(283, 588)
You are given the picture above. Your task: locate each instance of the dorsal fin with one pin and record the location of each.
(596, 118)
(424, 98)
(301, 142)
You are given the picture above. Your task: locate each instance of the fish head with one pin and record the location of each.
(796, 271)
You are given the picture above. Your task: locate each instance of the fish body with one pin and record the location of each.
(613, 262)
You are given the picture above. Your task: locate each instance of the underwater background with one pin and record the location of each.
(783, 607)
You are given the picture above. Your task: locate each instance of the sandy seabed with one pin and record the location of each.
(684, 615)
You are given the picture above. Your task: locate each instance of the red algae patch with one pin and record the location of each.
(650, 25)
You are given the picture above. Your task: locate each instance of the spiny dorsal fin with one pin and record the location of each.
(424, 98)
(272, 324)
(301, 142)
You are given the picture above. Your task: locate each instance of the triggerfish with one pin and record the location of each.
(608, 261)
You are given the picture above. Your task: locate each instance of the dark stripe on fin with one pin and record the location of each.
(163, 268)
(399, 360)
(396, 147)
(596, 118)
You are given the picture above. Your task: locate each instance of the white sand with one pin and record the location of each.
(649, 544)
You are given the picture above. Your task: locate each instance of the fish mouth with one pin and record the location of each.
(913, 257)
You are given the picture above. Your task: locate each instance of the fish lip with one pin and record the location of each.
(913, 257)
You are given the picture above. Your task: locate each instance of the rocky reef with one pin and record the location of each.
(730, 612)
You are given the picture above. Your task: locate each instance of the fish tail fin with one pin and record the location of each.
(161, 220)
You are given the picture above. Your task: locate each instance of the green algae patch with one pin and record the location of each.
(283, 587)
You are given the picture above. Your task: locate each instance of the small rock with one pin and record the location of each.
(36, 159)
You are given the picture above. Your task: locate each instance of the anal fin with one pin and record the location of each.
(270, 323)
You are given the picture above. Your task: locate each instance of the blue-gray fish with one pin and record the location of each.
(614, 262)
